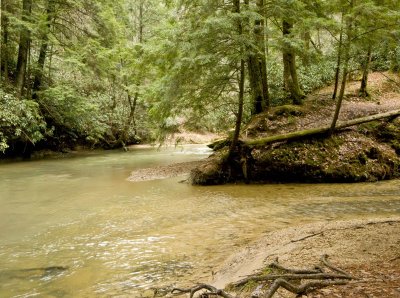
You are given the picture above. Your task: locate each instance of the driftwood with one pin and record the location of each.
(320, 130)
(315, 278)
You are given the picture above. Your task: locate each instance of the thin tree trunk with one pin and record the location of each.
(24, 44)
(291, 82)
(364, 81)
(345, 72)
(339, 61)
(262, 43)
(4, 45)
(239, 115)
(133, 102)
(306, 55)
(394, 61)
(43, 49)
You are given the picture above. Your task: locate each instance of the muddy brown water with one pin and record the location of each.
(76, 227)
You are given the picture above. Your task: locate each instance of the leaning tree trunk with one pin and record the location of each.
(43, 49)
(339, 61)
(24, 44)
(345, 72)
(239, 115)
(363, 92)
(291, 81)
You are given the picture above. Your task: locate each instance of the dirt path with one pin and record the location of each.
(369, 249)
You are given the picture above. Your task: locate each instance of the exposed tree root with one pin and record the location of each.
(212, 291)
(290, 280)
(302, 289)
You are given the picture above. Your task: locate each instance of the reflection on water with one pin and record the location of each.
(116, 237)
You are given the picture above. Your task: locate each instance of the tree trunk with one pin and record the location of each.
(262, 42)
(257, 66)
(345, 72)
(133, 102)
(363, 92)
(291, 82)
(255, 81)
(4, 45)
(306, 54)
(339, 61)
(394, 61)
(239, 115)
(24, 44)
(43, 49)
(318, 131)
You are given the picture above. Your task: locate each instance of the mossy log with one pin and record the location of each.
(319, 131)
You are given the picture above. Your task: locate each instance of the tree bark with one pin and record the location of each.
(318, 131)
(257, 66)
(291, 82)
(133, 101)
(306, 55)
(363, 92)
(4, 45)
(345, 71)
(239, 115)
(43, 49)
(339, 61)
(262, 42)
(24, 44)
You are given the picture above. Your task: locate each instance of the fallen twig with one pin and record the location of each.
(275, 264)
(306, 237)
(324, 260)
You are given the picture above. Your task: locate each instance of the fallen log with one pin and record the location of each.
(319, 131)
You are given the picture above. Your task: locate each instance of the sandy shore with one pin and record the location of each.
(163, 172)
(369, 249)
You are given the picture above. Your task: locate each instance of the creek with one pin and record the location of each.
(76, 227)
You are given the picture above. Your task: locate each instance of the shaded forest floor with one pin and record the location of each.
(318, 108)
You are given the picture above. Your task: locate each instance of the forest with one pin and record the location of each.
(107, 74)
(297, 99)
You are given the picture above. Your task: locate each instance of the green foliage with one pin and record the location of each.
(317, 75)
(120, 71)
(75, 113)
(20, 121)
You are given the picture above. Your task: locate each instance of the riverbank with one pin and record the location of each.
(367, 152)
(368, 249)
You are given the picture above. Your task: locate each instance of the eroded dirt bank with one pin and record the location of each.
(367, 152)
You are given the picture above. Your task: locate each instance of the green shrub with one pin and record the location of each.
(20, 121)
